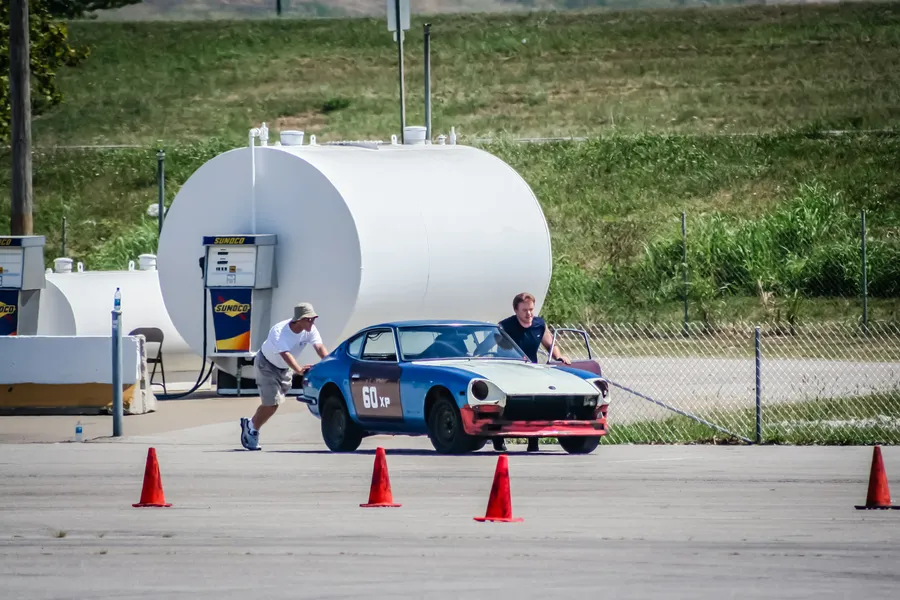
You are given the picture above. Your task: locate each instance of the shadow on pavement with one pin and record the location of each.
(403, 452)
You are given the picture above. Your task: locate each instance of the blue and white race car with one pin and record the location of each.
(459, 382)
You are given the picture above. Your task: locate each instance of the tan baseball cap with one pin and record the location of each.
(304, 310)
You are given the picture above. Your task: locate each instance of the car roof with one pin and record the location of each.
(426, 322)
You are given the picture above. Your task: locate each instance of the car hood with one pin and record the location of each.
(520, 377)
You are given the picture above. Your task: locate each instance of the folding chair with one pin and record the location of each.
(154, 335)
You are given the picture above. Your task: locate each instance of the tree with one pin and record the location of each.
(49, 50)
(77, 9)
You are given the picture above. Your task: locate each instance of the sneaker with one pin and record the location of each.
(500, 444)
(249, 439)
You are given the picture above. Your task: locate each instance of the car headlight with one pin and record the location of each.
(481, 391)
(601, 384)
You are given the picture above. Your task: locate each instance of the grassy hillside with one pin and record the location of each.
(699, 71)
(773, 216)
(225, 9)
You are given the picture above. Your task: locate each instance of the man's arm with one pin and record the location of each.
(321, 350)
(292, 362)
(547, 340)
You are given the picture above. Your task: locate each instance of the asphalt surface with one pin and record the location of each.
(625, 522)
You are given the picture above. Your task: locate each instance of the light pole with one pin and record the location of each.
(398, 13)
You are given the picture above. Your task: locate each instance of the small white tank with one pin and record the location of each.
(367, 234)
(80, 303)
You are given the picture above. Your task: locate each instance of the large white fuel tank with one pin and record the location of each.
(80, 303)
(367, 234)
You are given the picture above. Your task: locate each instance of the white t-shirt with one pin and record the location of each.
(282, 339)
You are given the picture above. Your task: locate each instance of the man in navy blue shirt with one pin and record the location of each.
(529, 333)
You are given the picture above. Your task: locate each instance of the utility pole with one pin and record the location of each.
(20, 95)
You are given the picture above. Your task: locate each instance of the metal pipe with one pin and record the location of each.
(684, 269)
(117, 364)
(65, 231)
(428, 81)
(865, 279)
(400, 62)
(253, 134)
(758, 391)
(161, 184)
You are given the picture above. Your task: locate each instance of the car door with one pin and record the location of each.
(375, 378)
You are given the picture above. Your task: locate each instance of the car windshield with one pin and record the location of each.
(435, 342)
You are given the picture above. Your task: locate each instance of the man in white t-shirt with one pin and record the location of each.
(273, 365)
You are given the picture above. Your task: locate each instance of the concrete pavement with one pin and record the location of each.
(626, 521)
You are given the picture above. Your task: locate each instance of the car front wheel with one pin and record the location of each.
(579, 445)
(339, 431)
(445, 429)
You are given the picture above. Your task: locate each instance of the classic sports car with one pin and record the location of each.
(459, 382)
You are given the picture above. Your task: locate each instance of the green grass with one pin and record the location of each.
(614, 206)
(249, 9)
(866, 420)
(710, 70)
(772, 216)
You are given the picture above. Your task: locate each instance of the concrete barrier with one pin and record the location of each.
(71, 375)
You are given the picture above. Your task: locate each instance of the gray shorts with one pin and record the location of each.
(273, 383)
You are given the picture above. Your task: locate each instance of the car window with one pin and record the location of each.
(379, 345)
(414, 342)
(456, 341)
(355, 346)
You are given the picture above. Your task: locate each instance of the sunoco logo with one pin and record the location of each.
(6, 242)
(229, 240)
(7, 309)
(232, 308)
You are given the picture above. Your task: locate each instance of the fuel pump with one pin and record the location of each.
(239, 274)
(21, 281)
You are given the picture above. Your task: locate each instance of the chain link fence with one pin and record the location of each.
(825, 383)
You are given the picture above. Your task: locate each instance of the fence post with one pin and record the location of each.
(161, 184)
(758, 391)
(684, 291)
(865, 279)
(117, 364)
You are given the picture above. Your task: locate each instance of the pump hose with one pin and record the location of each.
(200, 378)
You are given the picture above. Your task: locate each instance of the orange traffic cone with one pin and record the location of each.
(500, 504)
(152, 494)
(879, 495)
(380, 490)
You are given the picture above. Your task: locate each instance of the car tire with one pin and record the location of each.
(339, 431)
(477, 443)
(445, 429)
(578, 444)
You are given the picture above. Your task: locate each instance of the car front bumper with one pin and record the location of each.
(481, 421)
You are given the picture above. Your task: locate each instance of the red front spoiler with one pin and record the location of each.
(487, 422)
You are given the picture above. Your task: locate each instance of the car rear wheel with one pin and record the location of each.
(579, 445)
(445, 429)
(339, 431)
